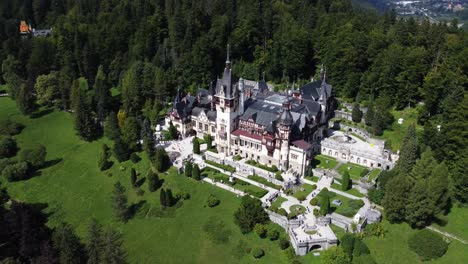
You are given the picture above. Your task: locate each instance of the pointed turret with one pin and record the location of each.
(286, 118)
(323, 74)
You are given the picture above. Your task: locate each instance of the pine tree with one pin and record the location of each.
(172, 131)
(131, 132)
(419, 208)
(324, 204)
(345, 181)
(133, 177)
(437, 187)
(370, 115)
(121, 150)
(188, 169)
(101, 93)
(112, 249)
(356, 115)
(25, 100)
(104, 162)
(209, 141)
(196, 172)
(169, 198)
(161, 160)
(162, 198)
(148, 138)
(153, 181)
(120, 203)
(396, 197)
(424, 167)
(67, 244)
(408, 152)
(196, 146)
(84, 123)
(111, 128)
(94, 243)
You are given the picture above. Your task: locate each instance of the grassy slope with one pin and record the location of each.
(76, 191)
(354, 172)
(395, 133)
(394, 247)
(456, 222)
(320, 162)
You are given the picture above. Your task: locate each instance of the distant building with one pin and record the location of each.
(26, 30)
(246, 118)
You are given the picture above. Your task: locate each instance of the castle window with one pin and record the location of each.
(213, 129)
(200, 126)
(206, 127)
(294, 156)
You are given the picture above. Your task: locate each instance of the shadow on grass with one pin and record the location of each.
(140, 182)
(51, 163)
(135, 208)
(42, 113)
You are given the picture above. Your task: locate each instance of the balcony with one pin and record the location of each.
(222, 135)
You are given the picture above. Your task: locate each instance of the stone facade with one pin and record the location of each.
(247, 118)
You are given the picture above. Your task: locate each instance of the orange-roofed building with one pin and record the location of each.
(25, 28)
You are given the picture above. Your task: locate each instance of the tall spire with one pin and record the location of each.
(322, 73)
(228, 62)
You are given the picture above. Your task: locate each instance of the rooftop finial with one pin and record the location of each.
(227, 56)
(322, 73)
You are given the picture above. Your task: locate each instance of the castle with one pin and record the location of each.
(247, 118)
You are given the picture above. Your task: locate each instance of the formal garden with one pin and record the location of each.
(235, 183)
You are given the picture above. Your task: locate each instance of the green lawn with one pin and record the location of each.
(374, 173)
(277, 203)
(312, 178)
(395, 133)
(264, 181)
(75, 191)
(345, 208)
(355, 171)
(303, 191)
(324, 162)
(393, 248)
(455, 222)
(351, 191)
(237, 184)
(297, 208)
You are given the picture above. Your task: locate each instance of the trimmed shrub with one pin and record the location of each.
(260, 230)
(35, 156)
(134, 157)
(284, 243)
(258, 253)
(11, 128)
(212, 201)
(16, 171)
(272, 233)
(427, 245)
(278, 176)
(8, 147)
(314, 202)
(196, 172)
(282, 212)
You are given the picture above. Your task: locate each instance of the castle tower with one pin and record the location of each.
(285, 122)
(226, 108)
(241, 96)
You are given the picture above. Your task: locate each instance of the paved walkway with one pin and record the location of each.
(320, 185)
(224, 186)
(447, 234)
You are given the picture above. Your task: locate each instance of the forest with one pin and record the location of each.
(142, 51)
